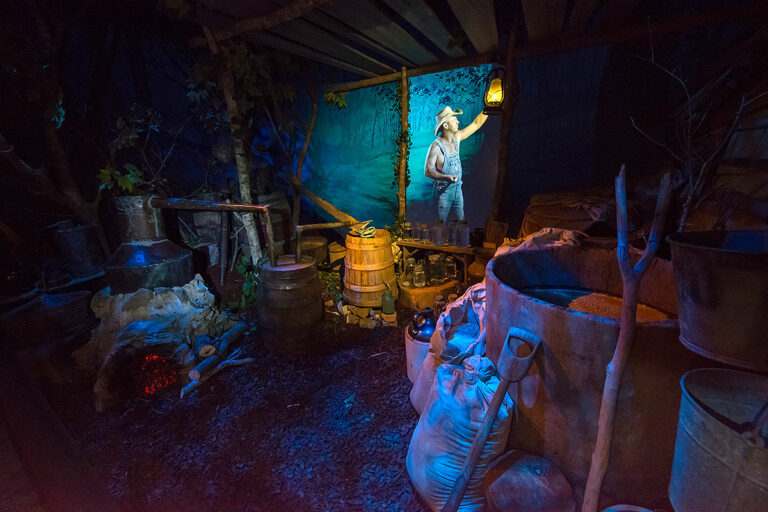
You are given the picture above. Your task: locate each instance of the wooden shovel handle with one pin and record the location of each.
(513, 366)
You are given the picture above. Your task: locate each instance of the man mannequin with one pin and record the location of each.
(443, 162)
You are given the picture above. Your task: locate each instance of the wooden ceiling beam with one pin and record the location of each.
(580, 15)
(424, 19)
(584, 41)
(366, 18)
(307, 34)
(615, 14)
(297, 9)
(321, 19)
(544, 19)
(478, 19)
(279, 43)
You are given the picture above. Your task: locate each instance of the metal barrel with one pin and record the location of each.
(719, 465)
(722, 294)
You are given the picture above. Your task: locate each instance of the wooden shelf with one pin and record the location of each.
(463, 253)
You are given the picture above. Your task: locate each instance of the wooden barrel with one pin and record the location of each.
(316, 247)
(336, 252)
(369, 269)
(290, 304)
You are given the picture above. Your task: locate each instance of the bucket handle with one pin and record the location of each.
(759, 422)
(750, 430)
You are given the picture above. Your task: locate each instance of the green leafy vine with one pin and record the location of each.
(403, 140)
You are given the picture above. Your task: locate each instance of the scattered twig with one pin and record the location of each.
(193, 385)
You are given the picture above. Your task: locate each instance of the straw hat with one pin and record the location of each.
(444, 115)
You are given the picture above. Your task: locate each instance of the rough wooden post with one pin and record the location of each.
(300, 164)
(510, 100)
(403, 147)
(227, 84)
(631, 277)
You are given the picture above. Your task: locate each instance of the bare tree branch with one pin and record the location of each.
(655, 141)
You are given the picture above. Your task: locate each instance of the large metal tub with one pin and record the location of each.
(721, 458)
(722, 292)
(559, 401)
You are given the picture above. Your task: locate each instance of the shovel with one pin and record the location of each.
(515, 360)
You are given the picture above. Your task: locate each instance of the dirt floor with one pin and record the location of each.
(326, 432)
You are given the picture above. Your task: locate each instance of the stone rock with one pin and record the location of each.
(359, 311)
(369, 323)
(162, 317)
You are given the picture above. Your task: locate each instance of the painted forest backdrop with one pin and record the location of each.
(352, 157)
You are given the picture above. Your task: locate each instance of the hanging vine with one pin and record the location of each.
(403, 140)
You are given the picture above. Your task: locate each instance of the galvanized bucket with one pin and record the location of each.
(722, 295)
(721, 456)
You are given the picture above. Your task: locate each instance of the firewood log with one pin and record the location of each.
(204, 346)
(224, 341)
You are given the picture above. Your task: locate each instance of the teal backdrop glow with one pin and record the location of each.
(352, 155)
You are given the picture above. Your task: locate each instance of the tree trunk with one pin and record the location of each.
(300, 164)
(227, 84)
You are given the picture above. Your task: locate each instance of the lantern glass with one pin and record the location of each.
(495, 94)
(494, 91)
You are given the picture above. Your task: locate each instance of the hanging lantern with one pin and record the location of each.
(494, 91)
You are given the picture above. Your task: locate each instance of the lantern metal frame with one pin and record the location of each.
(495, 108)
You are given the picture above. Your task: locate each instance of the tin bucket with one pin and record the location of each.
(721, 456)
(722, 295)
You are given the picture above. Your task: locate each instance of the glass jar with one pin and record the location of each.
(462, 234)
(450, 268)
(453, 226)
(407, 232)
(438, 233)
(436, 269)
(419, 276)
(476, 237)
(410, 263)
(418, 234)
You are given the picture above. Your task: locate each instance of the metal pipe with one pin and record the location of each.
(193, 204)
(270, 237)
(327, 225)
(224, 245)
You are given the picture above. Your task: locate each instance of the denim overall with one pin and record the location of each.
(448, 195)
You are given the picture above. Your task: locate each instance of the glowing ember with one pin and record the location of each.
(156, 374)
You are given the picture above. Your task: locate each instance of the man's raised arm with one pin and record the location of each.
(472, 127)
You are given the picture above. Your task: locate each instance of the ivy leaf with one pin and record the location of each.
(106, 178)
(124, 182)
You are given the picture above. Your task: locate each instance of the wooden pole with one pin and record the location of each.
(227, 84)
(300, 163)
(322, 203)
(403, 147)
(510, 101)
(631, 277)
